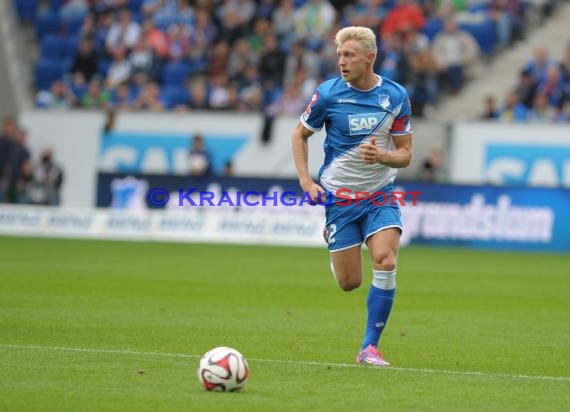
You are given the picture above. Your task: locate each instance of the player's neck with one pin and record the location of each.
(366, 82)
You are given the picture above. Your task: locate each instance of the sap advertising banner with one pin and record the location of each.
(446, 215)
(164, 153)
(505, 154)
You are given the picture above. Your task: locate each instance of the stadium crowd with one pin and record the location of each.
(541, 93)
(247, 55)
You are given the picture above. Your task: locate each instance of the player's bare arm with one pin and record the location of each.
(301, 157)
(401, 157)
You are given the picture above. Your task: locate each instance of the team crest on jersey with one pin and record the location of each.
(384, 101)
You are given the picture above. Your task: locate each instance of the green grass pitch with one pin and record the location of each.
(117, 326)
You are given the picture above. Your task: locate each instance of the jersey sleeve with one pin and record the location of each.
(314, 116)
(402, 123)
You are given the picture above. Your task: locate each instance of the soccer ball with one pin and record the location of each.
(223, 369)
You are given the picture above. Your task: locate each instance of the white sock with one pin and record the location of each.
(384, 279)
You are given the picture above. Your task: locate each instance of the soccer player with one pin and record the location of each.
(368, 137)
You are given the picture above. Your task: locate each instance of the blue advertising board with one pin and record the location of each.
(491, 217)
(166, 153)
(528, 164)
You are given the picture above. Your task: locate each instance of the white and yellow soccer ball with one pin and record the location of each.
(223, 369)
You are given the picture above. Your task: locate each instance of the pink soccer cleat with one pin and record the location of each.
(370, 356)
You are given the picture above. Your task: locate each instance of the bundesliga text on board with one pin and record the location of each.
(342, 197)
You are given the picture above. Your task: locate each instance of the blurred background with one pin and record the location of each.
(105, 100)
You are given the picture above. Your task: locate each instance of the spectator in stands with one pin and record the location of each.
(240, 59)
(490, 112)
(155, 38)
(404, 14)
(123, 34)
(553, 87)
(300, 58)
(122, 98)
(526, 88)
(283, 21)
(72, 8)
(539, 64)
(313, 21)
(7, 144)
(514, 111)
(149, 99)
(120, 69)
(541, 110)
(178, 43)
(289, 104)
(272, 62)
(200, 158)
(456, 52)
(19, 155)
(95, 97)
(48, 180)
(228, 169)
(219, 55)
(58, 97)
(86, 60)
(565, 64)
(366, 13)
(199, 99)
(143, 60)
(432, 167)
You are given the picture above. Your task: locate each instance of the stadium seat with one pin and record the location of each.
(432, 27)
(56, 4)
(52, 47)
(47, 23)
(485, 34)
(73, 23)
(175, 96)
(175, 73)
(47, 71)
(27, 10)
(70, 47)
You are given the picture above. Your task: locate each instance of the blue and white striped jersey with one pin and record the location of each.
(351, 116)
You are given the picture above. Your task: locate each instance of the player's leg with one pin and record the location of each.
(383, 228)
(346, 265)
(383, 247)
(344, 237)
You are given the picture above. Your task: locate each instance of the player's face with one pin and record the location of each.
(352, 60)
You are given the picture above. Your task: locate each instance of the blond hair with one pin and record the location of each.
(363, 35)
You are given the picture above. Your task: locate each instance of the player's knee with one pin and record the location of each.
(385, 261)
(347, 284)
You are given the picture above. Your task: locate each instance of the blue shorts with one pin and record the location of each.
(350, 225)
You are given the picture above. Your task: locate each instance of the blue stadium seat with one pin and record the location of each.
(27, 10)
(432, 27)
(52, 47)
(73, 24)
(47, 71)
(175, 96)
(175, 73)
(47, 23)
(56, 4)
(71, 46)
(485, 33)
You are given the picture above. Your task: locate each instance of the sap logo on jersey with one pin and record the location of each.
(364, 123)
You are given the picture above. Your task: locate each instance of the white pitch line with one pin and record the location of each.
(295, 362)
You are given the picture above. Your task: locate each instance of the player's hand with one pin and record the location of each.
(316, 192)
(370, 153)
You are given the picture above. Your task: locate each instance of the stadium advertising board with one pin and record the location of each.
(447, 215)
(505, 154)
(160, 152)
